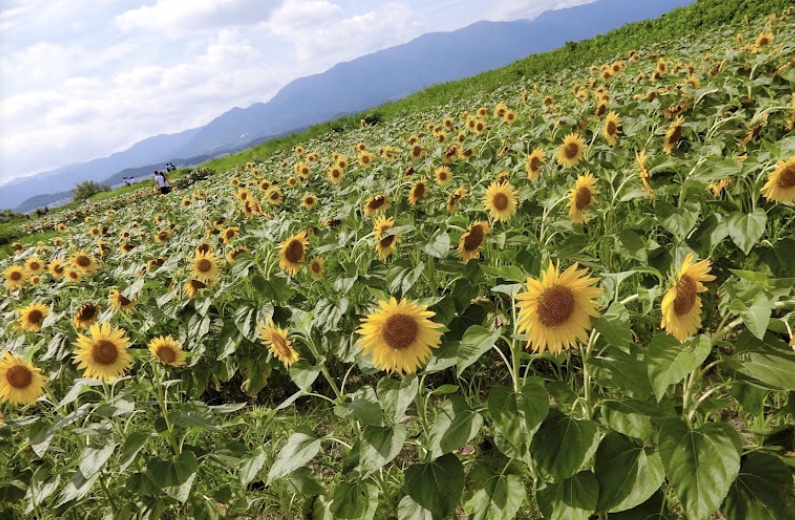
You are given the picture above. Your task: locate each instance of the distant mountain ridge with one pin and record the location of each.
(355, 86)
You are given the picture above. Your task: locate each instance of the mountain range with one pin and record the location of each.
(346, 88)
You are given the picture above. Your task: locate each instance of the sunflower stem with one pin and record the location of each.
(586, 379)
(108, 496)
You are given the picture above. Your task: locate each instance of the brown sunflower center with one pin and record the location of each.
(387, 241)
(57, 268)
(15, 276)
(275, 195)
(281, 344)
(442, 175)
(686, 295)
(399, 331)
(571, 150)
(611, 128)
(376, 203)
(676, 134)
(295, 251)
(500, 201)
(166, 354)
(204, 265)
(316, 267)
(419, 190)
(104, 352)
(34, 266)
(19, 377)
(196, 285)
(535, 163)
(555, 306)
(230, 233)
(123, 301)
(474, 238)
(787, 178)
(583, 198)
(86, 312)
(35, 316)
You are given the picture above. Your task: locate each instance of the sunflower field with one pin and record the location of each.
(569, 298)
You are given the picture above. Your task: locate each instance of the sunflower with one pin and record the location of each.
(418, 191)
(299, 150)
(205, 267)
(278, 343)
(417, 152)
(612, 128)
(661, 67)
(309, 201)
(118, 301)
(443, 175)
(61, 227)
(335, 173)
(365, 159)
(581, 197)
(673, 135)
(292, 253)
(193, 286)
(167, 351)
(399, 336)
(302, 169)
(232, 255)
(500, 200)
(645, 176)
(385, 243)
(717, 187)
(455, 198)
(20, 381)
(780, 185)
(571, 151)
(34, 266)
(763, 39)
(154, 263)
(15, 276)
(94, 232)
(126, 248)
(103, 355)
(555, 312)
(229, 233)
(17, 246)
(71, 275)
(274, 196)
(86, 315)
(30, 317)
(375, 204)
(472, 240)
(533, 164)
(317, 267)
(681, 305)
(84, 263)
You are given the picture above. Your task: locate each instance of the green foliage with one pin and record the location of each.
(87, 189)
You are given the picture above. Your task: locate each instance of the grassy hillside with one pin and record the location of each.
(559, 295)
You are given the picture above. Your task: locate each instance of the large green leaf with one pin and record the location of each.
(437, 486)
(299, 450)
(93, 458)
(379, 446)
(176, 477)
(614, 325)
(760, 490)
(250, 466)
(628, 474)
(681, 220)
(755, 314)
(356, 501)
(477, 341)
(634, 418)
(455, 425)
(621, 370)
(573, 499)
(670, 361)
(516, 417)
(364, 407)
(745, 230)
(769, 361)
(701, 464)
(562, 445)
(494, 497)
(396, 395)
(408, 509)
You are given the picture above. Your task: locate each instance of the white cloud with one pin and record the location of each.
(504, 10)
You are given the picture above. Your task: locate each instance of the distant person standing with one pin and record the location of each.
(162, 182)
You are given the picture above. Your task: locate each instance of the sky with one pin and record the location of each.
(82, 79)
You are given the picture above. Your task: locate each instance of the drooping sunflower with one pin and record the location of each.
(205, 267)
(20, 381)
(418, 191)
(673, 135)
(278, 343)
(780, 185)
(31, 317)
(309, 201)
(533, 163)
(34, 266)
(193, 286)
(556, 311)
(455, 198)
(86, 315)
(84, 263)
(229, 233)
(317, 267)
(718, 187)
(581, 197)
(644, 174)
(375, 204)
(274, 196)
(103, 355)
(167, 351)
(385, 243)
(154, 263)
(232, 255)
(472, 240)
(417, 152)
(443, 175)
(162, 236)
(292, 253)
(119, 301)
(15, 276)
(571, 151)
(500, 200)
(612, 128)
(681, 305)
(400, 336)
(763, 39)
